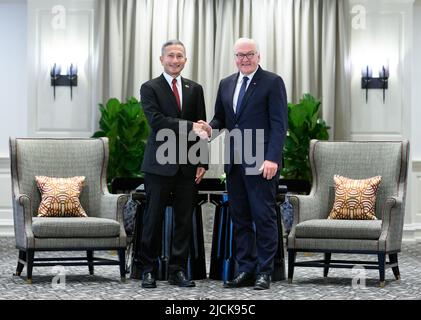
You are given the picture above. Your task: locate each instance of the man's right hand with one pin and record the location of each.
(199, 130)
(206, 127)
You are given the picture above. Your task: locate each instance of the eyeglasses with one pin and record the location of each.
(241, 56)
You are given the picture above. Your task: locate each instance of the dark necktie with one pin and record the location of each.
(175, 90)
(241, 94)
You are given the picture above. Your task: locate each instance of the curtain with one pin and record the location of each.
(304, 41)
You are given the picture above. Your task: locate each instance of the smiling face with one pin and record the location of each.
(247, 57)
(173, 59)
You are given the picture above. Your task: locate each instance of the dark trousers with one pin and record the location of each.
(158, 189)
(252, 205)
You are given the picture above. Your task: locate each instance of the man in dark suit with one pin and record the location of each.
(252, 106)
(172, 104)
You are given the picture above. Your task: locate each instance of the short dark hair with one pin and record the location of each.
(171, 43)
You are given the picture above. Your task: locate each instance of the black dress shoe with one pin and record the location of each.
(262, 282)
(179, 278)
(148, 281)
(243, 279)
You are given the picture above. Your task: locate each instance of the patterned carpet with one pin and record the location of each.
(308, 284)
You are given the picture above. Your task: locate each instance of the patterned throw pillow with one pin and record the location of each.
(355, 199)
(60, 196)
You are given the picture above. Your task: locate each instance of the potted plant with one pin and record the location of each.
(304, 124)
(126, 127)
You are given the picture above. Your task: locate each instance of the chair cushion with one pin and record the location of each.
(60, 196)
(355, 199)
(339, 229)
(73, 227)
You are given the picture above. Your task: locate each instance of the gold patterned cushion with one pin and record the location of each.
(355, 199)
(60, 196)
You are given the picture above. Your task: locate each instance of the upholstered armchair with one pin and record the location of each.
(103, 227)
(313, 232)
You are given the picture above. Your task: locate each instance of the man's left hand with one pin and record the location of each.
(200, 172)
(269, 169)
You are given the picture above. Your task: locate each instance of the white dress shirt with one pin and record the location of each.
(179, 86)
(238, 86)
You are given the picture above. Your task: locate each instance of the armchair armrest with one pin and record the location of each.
(22, 215)
(393, 212)
(306, 207)
(112, 206)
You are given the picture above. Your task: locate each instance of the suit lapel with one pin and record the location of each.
(231, 89)
(170, 93)
(252, 86)
(186, 88)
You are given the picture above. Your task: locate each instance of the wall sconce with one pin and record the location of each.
(67, 80)
(368, 82)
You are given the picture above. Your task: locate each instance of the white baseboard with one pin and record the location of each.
(6, 228)
(412, 232)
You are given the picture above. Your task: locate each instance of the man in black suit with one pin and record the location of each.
(172, 106)
(252, 105)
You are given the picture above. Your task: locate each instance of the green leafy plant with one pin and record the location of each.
(127, 129)
(304, 124)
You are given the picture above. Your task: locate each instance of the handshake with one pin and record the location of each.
(202, 129)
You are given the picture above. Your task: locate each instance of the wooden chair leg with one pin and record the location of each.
(122, 260)
(29, 265)
(90, 257)
(382, 264)
(21, 262)
(393, 257)
(291, 263)
(327, 262)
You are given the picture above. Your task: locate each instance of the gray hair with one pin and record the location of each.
(246, 40)
(171, 43)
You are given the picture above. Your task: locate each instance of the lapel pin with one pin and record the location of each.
(187, 86)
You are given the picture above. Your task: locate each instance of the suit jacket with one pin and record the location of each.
(264, 107)
(160, 108)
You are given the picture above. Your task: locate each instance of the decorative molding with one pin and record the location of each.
(60, 116)
(416, 165)
(395, 113)
(412, 232)
(6, 211)
(5, 189)
(4, 165)
(415, 185)
(375, 136)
